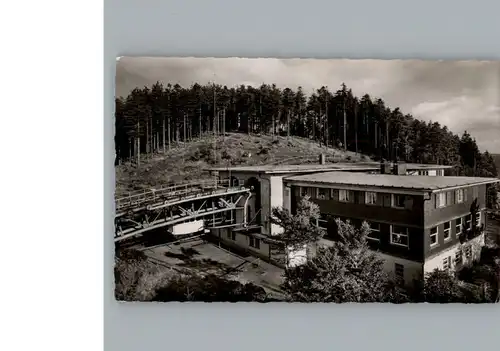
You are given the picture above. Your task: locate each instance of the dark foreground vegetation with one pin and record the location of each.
(138, 279)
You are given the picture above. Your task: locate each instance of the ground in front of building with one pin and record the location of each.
(204, 257)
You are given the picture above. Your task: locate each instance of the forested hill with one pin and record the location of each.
(154, 117)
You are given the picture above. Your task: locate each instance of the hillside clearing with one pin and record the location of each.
(185, 162)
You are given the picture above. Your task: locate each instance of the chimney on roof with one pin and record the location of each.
(322, 159)
(399, 168)
(385, 167)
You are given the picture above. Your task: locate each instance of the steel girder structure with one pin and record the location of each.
(217, 207)
(140, 199)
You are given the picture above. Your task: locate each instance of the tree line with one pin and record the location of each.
(151, 119)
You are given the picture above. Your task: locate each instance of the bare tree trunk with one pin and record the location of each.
(345, 129)
(356, 126)
(224, 124)
(130, 149)
(138, 151)
(288, 125)
(163, 134)
(147, 137)
(314, 125)
(272, 131)
(326, 124)
(184, 127)
(199, 131)
(151, 141)
(169, 133)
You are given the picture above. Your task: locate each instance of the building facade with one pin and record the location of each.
(254, 235)
(417, 223)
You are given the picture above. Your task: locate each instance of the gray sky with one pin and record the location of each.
(464, 95)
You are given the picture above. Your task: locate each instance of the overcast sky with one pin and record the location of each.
(462, 95)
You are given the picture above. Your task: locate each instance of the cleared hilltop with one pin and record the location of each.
(184, 162)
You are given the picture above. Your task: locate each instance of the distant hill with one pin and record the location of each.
(186, 162)
(496, 158)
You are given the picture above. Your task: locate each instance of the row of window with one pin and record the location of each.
(399, 234)
(370, 197)
(458, 257)
(452, 197)
(442, 199)
(461, 224)
(253, 242)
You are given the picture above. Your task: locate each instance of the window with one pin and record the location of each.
(374, 233)
(322, 193)
(322, 223)
(447, 230)
(254, 242)
(468, 252)
(458, 226)
(434, 236)
(303, 191)
(399, 235)
(440, 200)
(458, 257)
(398, 201)
(475, 192)
(447, 263)
(459, 196)
(345, 195)
(478, 219)
(400, 273)
(468, 221)
(370, 198)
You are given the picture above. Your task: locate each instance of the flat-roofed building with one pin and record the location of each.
(268, 192)
(416, 221)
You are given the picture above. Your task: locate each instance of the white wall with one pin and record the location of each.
(437, 262)
(276, 199)
(297, 257)
(265, 203)
(242, 241)
(432, 172)
(188, 227)
(287, 198)
(412, 270)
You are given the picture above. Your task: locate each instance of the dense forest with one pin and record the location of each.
(151, 119)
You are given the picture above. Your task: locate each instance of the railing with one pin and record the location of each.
(151, 195)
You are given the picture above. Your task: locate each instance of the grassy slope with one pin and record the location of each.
(186, 162)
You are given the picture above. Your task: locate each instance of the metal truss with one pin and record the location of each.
(216, 206)
(140, 199)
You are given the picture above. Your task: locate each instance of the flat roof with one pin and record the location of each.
(305, 168)
(428, 183)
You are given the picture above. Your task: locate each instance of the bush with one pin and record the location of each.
(204, 153)
(136, 279)
(263, 151)
(210, 288)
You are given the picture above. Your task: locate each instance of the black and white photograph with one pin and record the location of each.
(307, 180)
